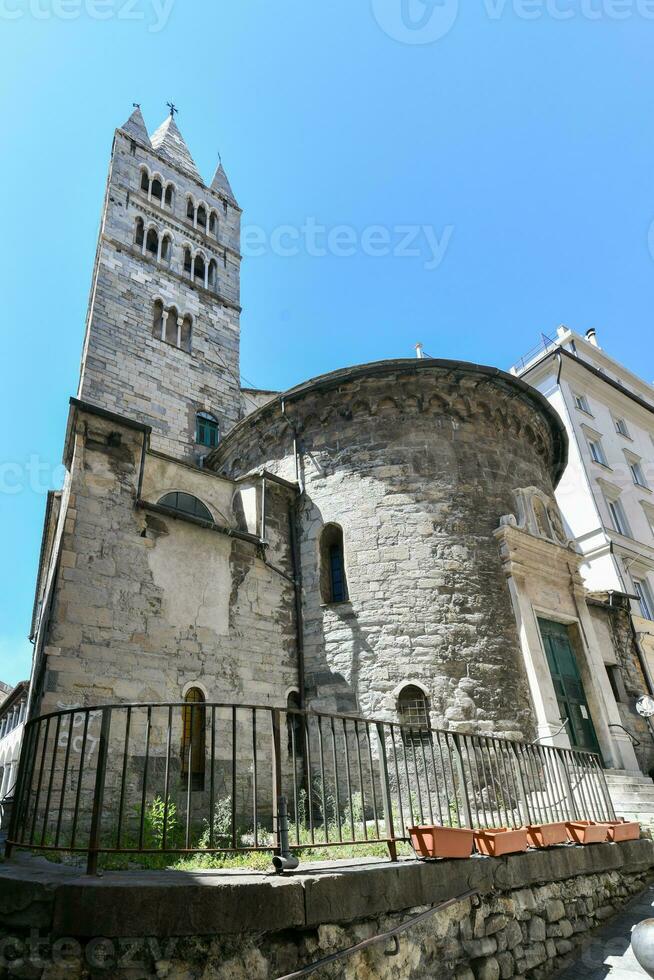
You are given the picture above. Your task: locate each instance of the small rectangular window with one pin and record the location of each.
(618, 517)
(621, 427)
(597, 451)
(645, 600)
(637, 475)
(616, 682)
(582, 404)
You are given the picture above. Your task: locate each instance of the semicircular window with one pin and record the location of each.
(186, 503)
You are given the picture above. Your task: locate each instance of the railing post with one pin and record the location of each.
(465, 799)
(276, 776)
(386, 792)
(98, 794)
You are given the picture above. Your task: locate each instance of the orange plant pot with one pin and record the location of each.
(622, 830)
(499, 841)
(547, 834)
(441, 842)
(585, 832)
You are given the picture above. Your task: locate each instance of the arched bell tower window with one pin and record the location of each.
(158, 322)
(186, 503)
(152, 242)
(170, 196)
(207, 432)
(413, 713)
(202, 218)
(139, 232)
(157, 189)
(193, 739)
(333, 582)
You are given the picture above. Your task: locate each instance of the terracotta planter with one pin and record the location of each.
(500, 841)
(585, 832)
(441, 842)
(621, 830)
(547, 834)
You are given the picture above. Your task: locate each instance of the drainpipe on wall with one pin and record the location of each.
(296, 559)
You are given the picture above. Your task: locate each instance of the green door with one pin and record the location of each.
(567, 684)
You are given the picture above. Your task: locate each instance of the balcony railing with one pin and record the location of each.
(187, 778)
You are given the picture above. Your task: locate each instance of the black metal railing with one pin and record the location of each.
(200, 777)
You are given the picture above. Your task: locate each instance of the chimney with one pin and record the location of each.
(591, 337)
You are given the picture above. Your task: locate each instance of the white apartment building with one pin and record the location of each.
(12, 719)
(607, 491)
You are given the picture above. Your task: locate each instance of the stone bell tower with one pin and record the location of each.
(162, 334)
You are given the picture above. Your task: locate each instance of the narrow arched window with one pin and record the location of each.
(166, 248)
(158, 323)
(186, 503)
(188, 261)
(199, 268)
(145, 181)
(413, 713)
(139, 232)
(170, 196)
(193, 739)
(213, 274)
(157, 189)
(190, 209)
(187, 330)
(213, 224)
(333, 582)
(202, 217)
(152, 242)
(172, 327)
(207, 432)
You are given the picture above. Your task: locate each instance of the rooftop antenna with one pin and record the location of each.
(419, 351)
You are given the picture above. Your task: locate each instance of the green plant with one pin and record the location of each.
(222, 826)
(153, 822)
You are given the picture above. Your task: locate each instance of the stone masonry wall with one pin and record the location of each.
(528, 917)
(127, 370)
(417, 469)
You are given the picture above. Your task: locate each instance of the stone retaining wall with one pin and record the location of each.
(533, 910)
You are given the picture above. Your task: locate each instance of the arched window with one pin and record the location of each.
(202, 217)
(199, 268)
(187, 329)
(188, 261)
(213, 274)
(145, 181)
(413, 713)
(166, 244)
(207, 432)
(172, 327)
(170, 196)
(152, 242)
(139, 232)
(193, 738)
(158, 324)
(157, 189)
(333, 583)
(190, 209)
(213, 224)
(186, 503)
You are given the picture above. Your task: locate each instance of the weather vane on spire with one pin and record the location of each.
(173, 108)
(136, 105)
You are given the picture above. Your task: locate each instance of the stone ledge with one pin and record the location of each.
(164, 904)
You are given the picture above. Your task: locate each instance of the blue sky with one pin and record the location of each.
(512, 138)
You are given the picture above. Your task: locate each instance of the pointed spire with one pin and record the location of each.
(169, 142)
(220, 183)
(135, 126)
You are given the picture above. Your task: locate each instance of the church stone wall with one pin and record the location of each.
(146, 605)
(417, 465)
